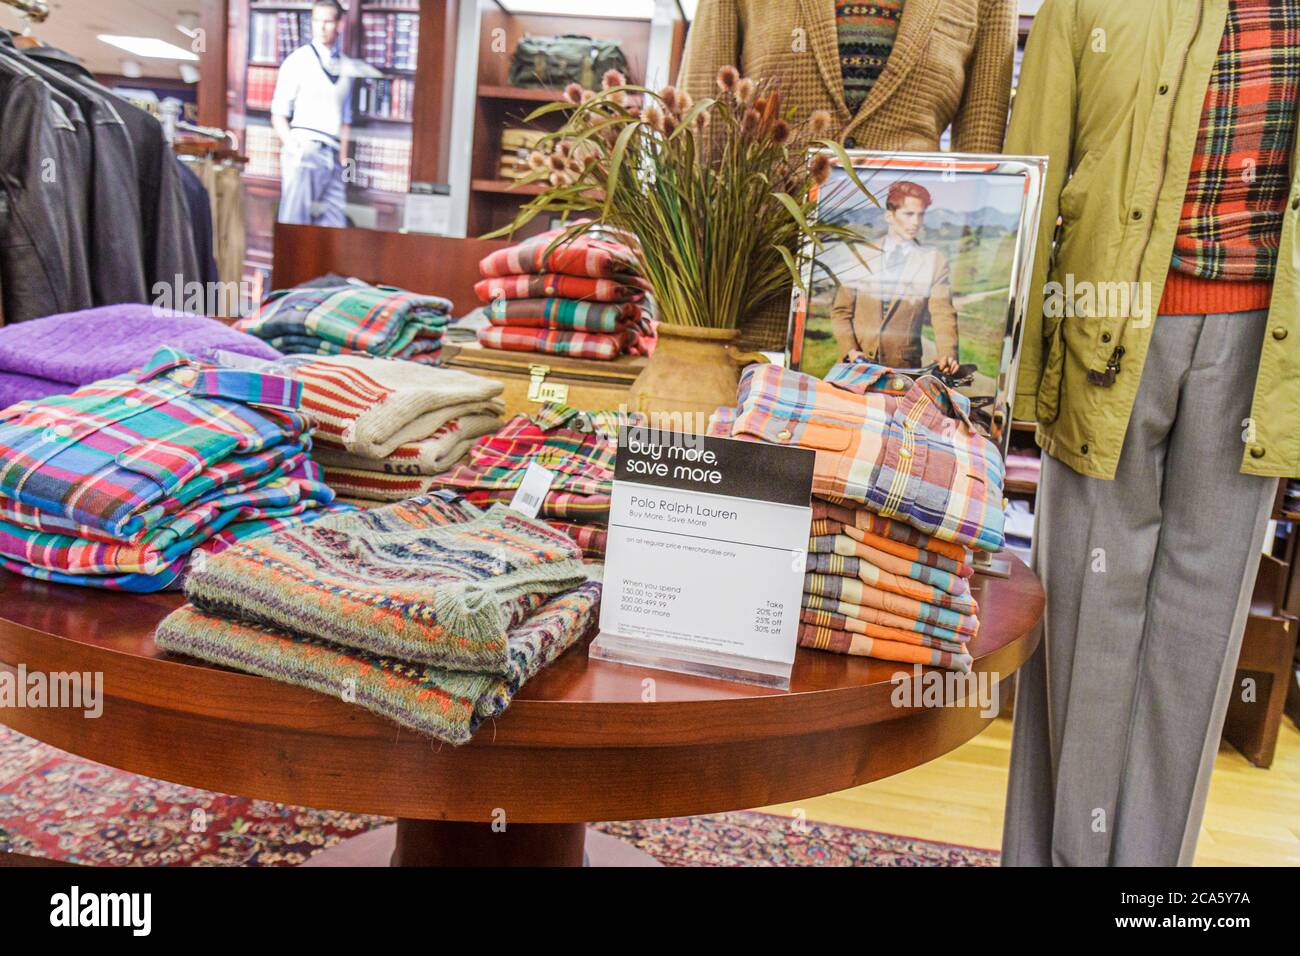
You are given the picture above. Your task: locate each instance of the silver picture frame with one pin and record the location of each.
(978, 231)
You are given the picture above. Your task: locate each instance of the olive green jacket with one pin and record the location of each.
(1111, 92)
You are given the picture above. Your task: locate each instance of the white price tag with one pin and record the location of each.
(532, 490)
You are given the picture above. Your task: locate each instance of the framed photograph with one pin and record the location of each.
(939, 280)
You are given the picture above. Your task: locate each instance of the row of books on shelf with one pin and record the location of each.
(273, 36)
(390, 40)
(380, 163)
(392, 98)
(259, 86)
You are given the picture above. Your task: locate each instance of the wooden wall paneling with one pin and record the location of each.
(435, 265)
(213, 64)
(431, 129)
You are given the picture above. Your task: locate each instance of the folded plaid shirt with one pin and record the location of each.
(376, 319)
(110, 453)
(896, 549)
(906, 449)
(853, 625)
(856, 516)
(553, 285)
(854, 590)
(848, 547)
(577, 447)
(426, 348)
(865, 572)
(583, 256)
(860, 645)
(568, 314)
(157, 562)
(873, 615)
(588, 345)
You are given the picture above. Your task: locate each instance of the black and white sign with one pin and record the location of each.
(705, 563)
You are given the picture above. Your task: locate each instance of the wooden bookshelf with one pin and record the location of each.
(492, 202)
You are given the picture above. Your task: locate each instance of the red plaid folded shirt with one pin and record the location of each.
(587, 345)
(568, 314)
(583, 256)
(579, 448)
(905, 449)
(553, 285)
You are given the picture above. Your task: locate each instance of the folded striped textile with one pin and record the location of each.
(448, 705)
(377, 320)
(860, 645)
(855, 625)
(862, 572)
(868, 573)
(568, 315)
(856, 516)
(553, 285)
(377, 486)
(822, 527)
(427, 581)
(852, 590)
(371, 407)
(430, 456)
(844, 546)
(581, 256)
(874, 615)
(588, 345)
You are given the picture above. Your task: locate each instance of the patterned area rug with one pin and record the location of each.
(55, 805)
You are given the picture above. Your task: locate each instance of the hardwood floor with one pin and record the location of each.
(1252, 819)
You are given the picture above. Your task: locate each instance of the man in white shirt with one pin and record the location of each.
(910, 286)
(311, 112)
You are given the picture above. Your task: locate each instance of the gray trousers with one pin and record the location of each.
(1148, 579)
(311, 190)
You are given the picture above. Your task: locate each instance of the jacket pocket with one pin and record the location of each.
(955, 25)
(1048, 400)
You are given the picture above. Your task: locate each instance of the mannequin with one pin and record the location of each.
(1159, 468)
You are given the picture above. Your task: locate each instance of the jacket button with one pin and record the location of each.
(1105, 337)
(1295, 203)
(1164, 88)
(850, 143)
(1084, 449)
(1137, 215)
(1257, 452)
(1279, 333)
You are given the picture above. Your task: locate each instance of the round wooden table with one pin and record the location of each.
(585, 740)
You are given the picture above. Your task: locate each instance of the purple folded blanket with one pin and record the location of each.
(57, 353)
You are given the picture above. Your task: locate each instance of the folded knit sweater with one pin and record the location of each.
(371, 407)
(55, 354)
(446, 704)
(428, 581)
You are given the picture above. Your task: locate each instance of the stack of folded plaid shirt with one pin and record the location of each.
(352, 318)
(584, 299)
(904, 486)
(577, 447)
(116, 484)
(383, 428)
(428, 612)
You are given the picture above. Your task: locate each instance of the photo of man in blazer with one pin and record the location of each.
(908, 286)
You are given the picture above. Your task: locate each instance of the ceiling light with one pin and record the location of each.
(150, 47)
(627, 10)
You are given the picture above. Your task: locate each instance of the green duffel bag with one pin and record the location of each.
(555, 62)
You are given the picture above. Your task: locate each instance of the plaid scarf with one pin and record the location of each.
(1231, 222)
(861, 645)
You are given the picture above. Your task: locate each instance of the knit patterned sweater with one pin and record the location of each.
(866, 33)
(1231, 221)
